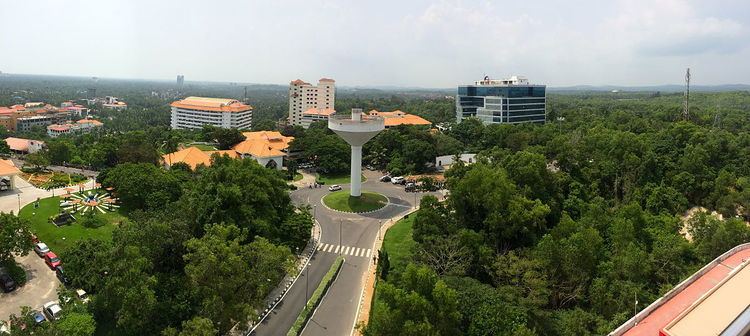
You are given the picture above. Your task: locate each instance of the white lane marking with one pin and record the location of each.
(337, 249)
(359, 250)
(346, 251)
(330, 248)
(368, 253)
(321, 247)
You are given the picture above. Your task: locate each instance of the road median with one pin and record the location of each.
(316, 298)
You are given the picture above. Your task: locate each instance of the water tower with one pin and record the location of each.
(356, 131)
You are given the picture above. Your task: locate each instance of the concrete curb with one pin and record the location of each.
(358, 213)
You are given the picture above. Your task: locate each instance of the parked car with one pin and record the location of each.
(398, 180)
(369, 167)
(385, 178)
(52, 260)
(82, 295)
(334, 187)
(60, 273)
(7, 282)
(34, 239)
(41, 249)
(38, 317)
(52, 310)
(410, 187)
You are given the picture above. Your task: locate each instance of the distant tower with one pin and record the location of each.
(686, 111)
(180, 82)
(91, 93)
(356, 132)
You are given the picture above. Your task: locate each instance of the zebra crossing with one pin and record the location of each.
(345, 250)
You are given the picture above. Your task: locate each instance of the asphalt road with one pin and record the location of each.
(351, 235)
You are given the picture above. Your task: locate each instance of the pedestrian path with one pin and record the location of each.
(346, 250)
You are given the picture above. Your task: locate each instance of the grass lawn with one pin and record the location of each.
(297, 177)
(203, 147)
(336, 179)
(340, 200)
(60, 238)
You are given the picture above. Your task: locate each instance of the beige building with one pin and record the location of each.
(304, 96)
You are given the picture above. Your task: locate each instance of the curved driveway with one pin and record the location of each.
(351, 235)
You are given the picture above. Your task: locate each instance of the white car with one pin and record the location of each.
(397, 180)
(83, 296)
(334, 187)
(41, 249)
(53, 310)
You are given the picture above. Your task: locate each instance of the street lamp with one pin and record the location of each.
(19, 203)
(315, 210)
(341, 225)
(380, 225)
(307, 282)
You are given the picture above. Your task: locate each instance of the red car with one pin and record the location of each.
(52, 260)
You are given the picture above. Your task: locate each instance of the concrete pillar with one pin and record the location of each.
(356, 173)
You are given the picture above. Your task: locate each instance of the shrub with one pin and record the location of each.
(15, 271)
(90, 220)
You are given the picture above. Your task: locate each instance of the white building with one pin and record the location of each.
(304, 96)
(315, 114)
(194, 112)
(81, 126)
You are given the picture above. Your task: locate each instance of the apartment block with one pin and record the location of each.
(194, 112)
(304, 96)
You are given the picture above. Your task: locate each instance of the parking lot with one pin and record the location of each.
(40, 288)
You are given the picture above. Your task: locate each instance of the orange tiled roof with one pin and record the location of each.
(8, 168)
(18, 144)
(298, 82)
(263, 144)
(326, 80)
(317, 111)
(58, 127)
(212, 104)
(231, 153)
(90, 121)
(398, 117)
(192, 156)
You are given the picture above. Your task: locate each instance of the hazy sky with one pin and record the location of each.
(382, 42)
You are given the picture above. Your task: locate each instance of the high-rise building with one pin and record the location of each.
(180, 81)
(194, 112)
(304, 96)
(502, 101)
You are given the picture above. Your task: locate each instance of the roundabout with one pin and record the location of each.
(367, 202)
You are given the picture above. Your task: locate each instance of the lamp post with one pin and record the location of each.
(341, 226)
(380, 225)
(19, 203)
(315, 210)
(307, 281)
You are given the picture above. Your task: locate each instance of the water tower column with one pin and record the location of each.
(356, 171)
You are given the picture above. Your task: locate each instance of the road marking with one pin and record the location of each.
(337, 249)
(330, 248)
(346, 251)
(321, 246)
(368, 253)
(357, 254)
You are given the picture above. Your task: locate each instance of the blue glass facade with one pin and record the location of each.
(502, 103)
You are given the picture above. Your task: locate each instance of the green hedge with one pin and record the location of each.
(15, 271)
(316, 297)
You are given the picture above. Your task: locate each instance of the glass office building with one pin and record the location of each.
(502, 101)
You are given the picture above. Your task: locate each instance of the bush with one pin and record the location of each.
(90, 220)
(315, 298)
(15, 271)
(76, 178)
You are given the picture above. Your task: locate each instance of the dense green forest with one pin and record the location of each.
(559, 227)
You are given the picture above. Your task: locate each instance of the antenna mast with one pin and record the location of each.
(686, 111)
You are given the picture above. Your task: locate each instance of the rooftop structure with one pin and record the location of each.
(23, 117)
(315, 114)
(398, 117)
(8, 172)
(268, 148)
(713, 301)
(304, 96)
(356, 131)
(501, 101)
(194, 112)
(114, 103)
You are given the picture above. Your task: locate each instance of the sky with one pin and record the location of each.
(415, 43)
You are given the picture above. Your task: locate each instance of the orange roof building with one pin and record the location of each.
(81, 126)
(24, 146)
(268, 148)
(398, 117)
(8, 172)
(316, 114)
(195, 112)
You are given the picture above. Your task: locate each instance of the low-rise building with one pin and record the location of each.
(114, 103)
(446, 161)
(195, 112)
(398, 117)
(268, 148)
(502, 101)
(81, 126)
(24, 146)
(316, 114)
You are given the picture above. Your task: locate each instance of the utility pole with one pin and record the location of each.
(686, 111)
(341, 225)
(307, 282)
(380, 225)
(635, 306)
